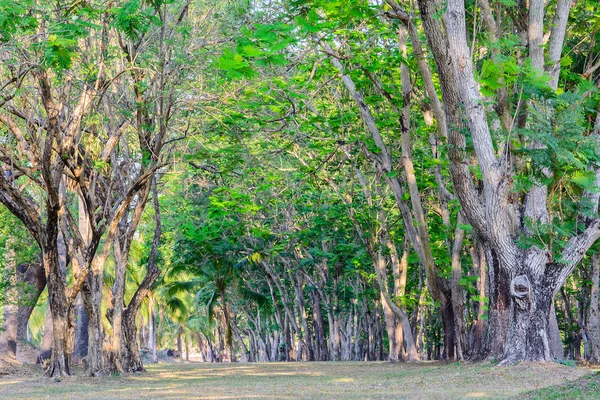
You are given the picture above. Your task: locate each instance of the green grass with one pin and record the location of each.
(584, 388)
(332, 380)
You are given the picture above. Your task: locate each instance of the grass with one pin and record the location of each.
(586, 388)
(333, 380)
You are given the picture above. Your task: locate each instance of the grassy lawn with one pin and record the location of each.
(333, 380)
(586, 388)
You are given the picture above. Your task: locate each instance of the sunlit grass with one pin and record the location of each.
(333, 380)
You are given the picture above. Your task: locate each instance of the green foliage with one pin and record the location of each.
(133, 19)
(15, 18)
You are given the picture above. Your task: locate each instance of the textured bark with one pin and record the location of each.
(557, 38)
(133, 362)
(8, 335)
(92, 297)
(478, 350)
(593, 323)
(457, 293)
(522, 282)
(528, 334)
(321, 353)
(60, 359)
(300, 304)
(556, 346)
(81, 330)
(118, 292)
(152, 329)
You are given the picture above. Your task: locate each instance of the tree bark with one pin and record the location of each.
(593, 323)
(133, 362)
(81, 330)
(34, 277)
(8, 335)
(457, 292)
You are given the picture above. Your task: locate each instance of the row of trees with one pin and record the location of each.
(328, 180)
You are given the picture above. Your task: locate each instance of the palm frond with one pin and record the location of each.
(262, 301)
(210, 312)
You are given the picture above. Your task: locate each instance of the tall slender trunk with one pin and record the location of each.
(187, 348)
(81, 330)
(479, 329)
(151, 325)
(593, 323)
(116, 356)
(302, 310)
(8, 336)
(179, 341)
(457, 293)
(91, 293)
(321, 348)
(557, 351)
(133, 361)
(81, 318)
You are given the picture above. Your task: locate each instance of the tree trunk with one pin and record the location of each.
(321, 343)
(557, 351)
(460, 340)
(91, 294)
(532, 297)
(133, 360)
(187, 348)
(59, 307)
(302, 310)
(479, 329)
(8, 336)
(34, 277)
(179, 341)
(152, 333)
(593, 323)
(81, 330)
(390, 326)
(116, 356)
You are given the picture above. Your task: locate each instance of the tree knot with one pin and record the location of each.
(520, 287)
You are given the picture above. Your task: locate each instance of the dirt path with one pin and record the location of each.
(333, 380)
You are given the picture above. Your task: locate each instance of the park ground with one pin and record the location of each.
(316, 380)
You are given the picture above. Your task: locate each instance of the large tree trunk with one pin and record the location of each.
(121, 252)
(91, 293)
(60, 309)
(528, 335)
(523, 283)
